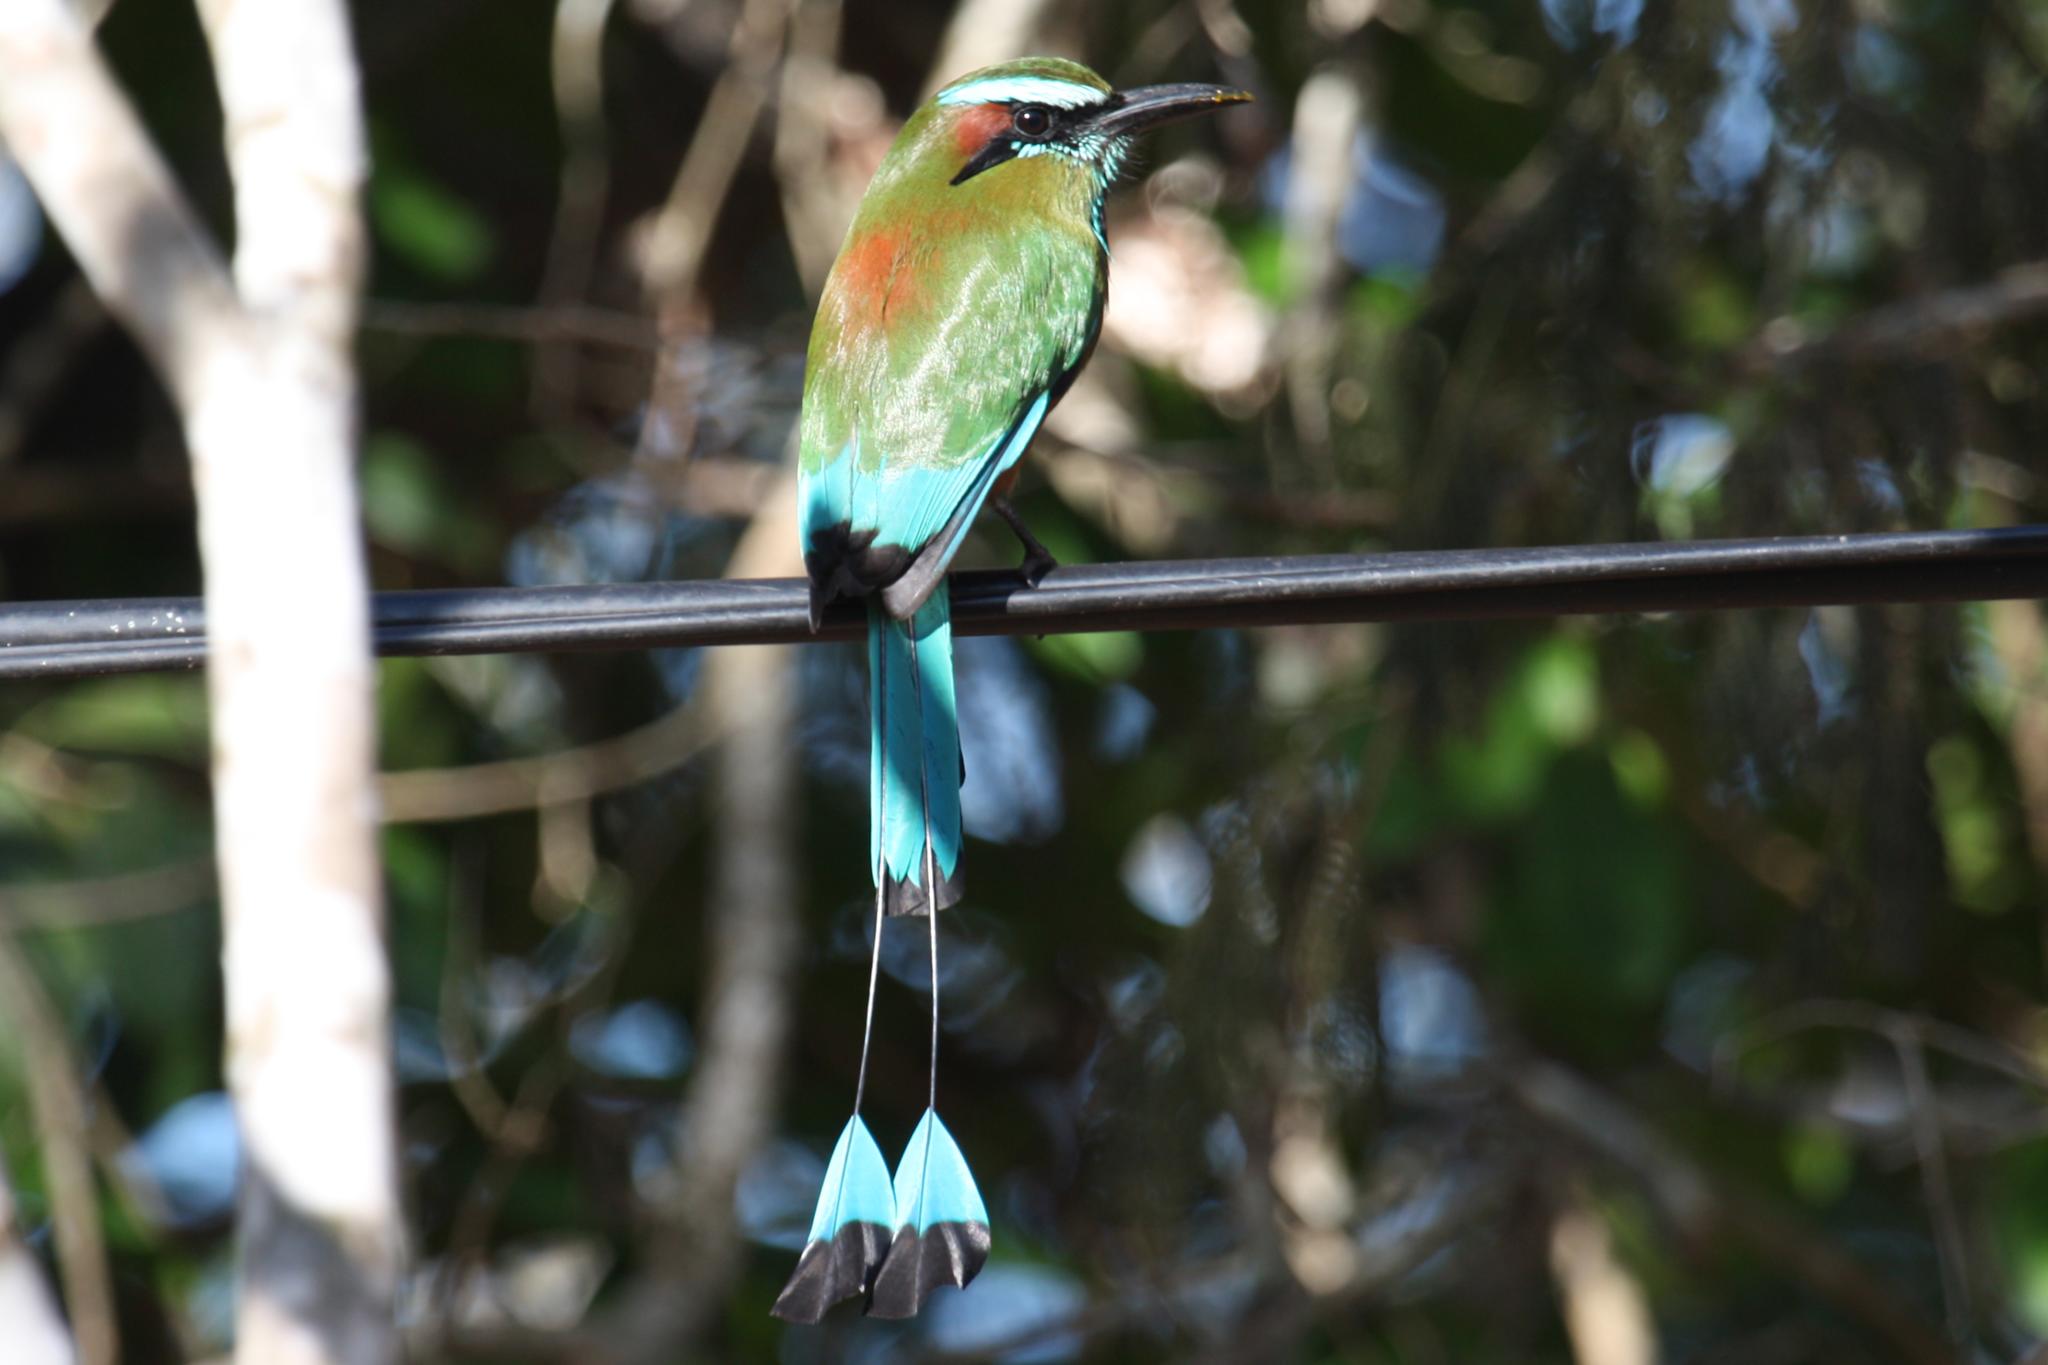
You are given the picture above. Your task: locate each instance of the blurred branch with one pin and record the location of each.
(1459, 1207)
(1145, 501)
(1917, 327)
(681, 231)
(292, 702)
(1861, 1016)
(519, 1130)
(815, 213)
(257, 366)
(1704, 1212)
(63, 1139)
(535, 326)
(1328, 118)
(1129, 491)
(2020, 642)
(422, 795)
(1606, 1313)
(32, 1332)
(115, 899)
(1776, 860)
(106, 190)
(731, 486)
(729, 1110)
(577, 774)
(36, 365)
(467, 1080)
(1924, 1112)
(1930, 1121)
(984, 32)
(514, 1130)
(1157, 44)
(44, 495)
(1225, 27)
(2016, 24)
(577, 64)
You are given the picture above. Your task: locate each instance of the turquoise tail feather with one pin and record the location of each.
(914, 757)
(849, 1232)
(942, 1233)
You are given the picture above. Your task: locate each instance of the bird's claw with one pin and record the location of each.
(1038, 562)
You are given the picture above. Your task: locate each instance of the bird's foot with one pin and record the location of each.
(1038, 561)
(1037, 564)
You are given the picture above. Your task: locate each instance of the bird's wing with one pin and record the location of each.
(929, 382)
(928, 565)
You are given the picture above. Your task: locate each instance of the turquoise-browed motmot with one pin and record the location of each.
(966, 297)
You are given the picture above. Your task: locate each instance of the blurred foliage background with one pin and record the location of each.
(1612, 991)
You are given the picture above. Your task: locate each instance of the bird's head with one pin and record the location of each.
(1045, 113)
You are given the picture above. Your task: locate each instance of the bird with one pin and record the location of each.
(966, 296)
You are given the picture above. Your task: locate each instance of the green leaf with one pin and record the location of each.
(400, 501)
(1819, 1163)
(1099, 657)
(1552, 702)
(1388, 300)
(2018, 1199)
(1639, 767)
(1262, 250)
(427, 227)
(161, 716)
(408, 507)
(1977, 828)
(1590, 913)
(1715, 310)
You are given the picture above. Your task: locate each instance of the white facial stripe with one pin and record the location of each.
(1024, 90)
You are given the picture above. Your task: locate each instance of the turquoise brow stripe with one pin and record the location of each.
(1024, 90)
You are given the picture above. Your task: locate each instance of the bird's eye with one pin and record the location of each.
(1031, 120)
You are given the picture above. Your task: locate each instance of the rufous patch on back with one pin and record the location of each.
(877, 278)
(868, 264)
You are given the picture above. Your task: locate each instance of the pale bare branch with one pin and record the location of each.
(57, 1103)
(524, 783)
(1606, 1313)
(31, 1332)
(1901, 331)
(751, 932)
(261, 372)
(114, 899)
(681, 231)
(106, 189)
(983, 32)
(539, 326)
(292, 685)
(577, 59)
(815, 208)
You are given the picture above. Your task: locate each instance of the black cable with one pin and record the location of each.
(70, 639)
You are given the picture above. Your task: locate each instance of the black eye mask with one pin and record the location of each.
(1029, 123)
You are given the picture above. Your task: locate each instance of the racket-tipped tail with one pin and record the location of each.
(942, 1235)
(849, 1232)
